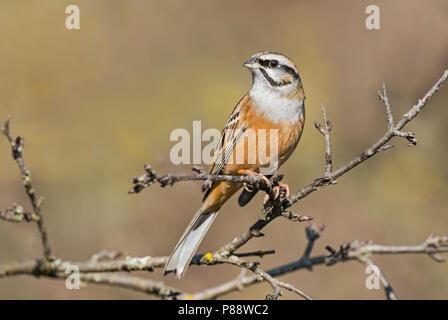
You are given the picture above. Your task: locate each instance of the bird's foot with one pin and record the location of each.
(281, 190)
(253, 173)
(285, 189)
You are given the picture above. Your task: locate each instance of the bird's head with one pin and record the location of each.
(274, 72)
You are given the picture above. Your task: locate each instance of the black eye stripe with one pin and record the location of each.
(291, 71)
(264, 63)
(272, 81)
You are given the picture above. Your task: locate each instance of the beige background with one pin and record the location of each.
(95, 104)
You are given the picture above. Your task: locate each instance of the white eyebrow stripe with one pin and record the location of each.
(281, 59)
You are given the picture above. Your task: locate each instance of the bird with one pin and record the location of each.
(275, 103)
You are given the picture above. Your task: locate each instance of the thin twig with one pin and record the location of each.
(99, 264)
(17, 145)
(372, 150)
(357, 251)
(263, 275)
(296, 217)
(385, 99)
(16, 214)
(390, 293)
(325, 130)
(294, 289)
(138, 284)
(151, 176)
(348, 251)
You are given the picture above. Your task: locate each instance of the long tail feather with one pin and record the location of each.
(189, 242)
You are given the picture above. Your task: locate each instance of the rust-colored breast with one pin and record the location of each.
(246, 154)
(260, 138)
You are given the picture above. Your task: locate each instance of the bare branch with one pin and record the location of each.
(39, 268)
(357, 251)
(150, 177)
(390, 293)
(295, 217)
(263, 275)
(432, 245)
(385, 99)
(99, 268)
(294, 289)
(260, 274)
(16, 214)
(259, 253)
(372, 150)
(347, 251)
(99, 264)
(139, 284)
(325, 130)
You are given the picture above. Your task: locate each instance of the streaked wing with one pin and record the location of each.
(232, 132)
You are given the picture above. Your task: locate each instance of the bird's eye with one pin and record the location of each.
(273, 63)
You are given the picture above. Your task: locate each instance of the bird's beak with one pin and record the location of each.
(251, 64)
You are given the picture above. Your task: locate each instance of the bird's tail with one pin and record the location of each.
(189, 242)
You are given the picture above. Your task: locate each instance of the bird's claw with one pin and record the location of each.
(282, 189)
(285, 188)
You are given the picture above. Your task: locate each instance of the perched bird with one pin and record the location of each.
(275, 103)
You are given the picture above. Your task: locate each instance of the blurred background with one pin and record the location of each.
(95, 104)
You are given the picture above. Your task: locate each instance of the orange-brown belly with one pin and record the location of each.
(253, 152)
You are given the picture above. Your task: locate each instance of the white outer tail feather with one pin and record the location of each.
(189, 242)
